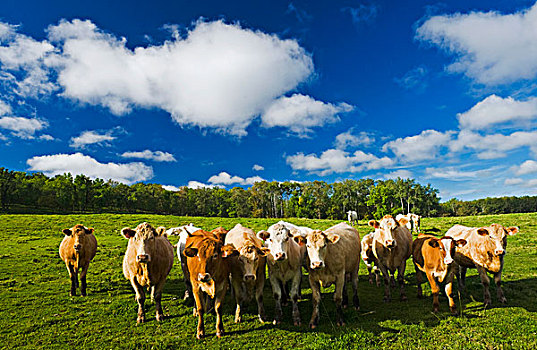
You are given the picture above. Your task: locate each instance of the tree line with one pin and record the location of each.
(22, 192)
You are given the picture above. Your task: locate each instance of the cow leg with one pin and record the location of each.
(449, 292)
(355, 299)
(218, 309)
(140, 299)
(83, 284)
(259, 285)
(285, 294)
(461, 277)
(377, 275)
(316, 300)
(157, 296)
(200, 332)
(236, 284)
(338, 296)
(499, 291)
(419, 281)
(277, 293)
(401, 280)
(73, 278)
(386, 275)
(188, 285)
(370, 273)
(434, 289)
(485, 281)
(295, 288)
(344, 295)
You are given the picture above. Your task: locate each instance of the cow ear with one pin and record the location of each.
(461, 242)
(161, 231)
(301, 240)
(263, 235)
(190, 252)
(433, 243)
(263, 251)
(128, 232)
(374, 223)
(333, 238)
(512, 230)
(90, 230)
(403, 221)
(66, 232)
(482, 231)
(229, 250)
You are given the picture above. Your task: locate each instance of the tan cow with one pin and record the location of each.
(369, 258)
(413, 223)
(434, 257)
(485, 251)
(208, 262)
(247, 269)
(392, 246)
(77, 249)
(332, 254)
(147, 262)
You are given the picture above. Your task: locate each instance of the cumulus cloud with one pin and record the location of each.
(490, 47)
(90, 137)
(402, 173)
(22, 127)
(258, 167)
(493, 146)
(349, 139)
(78, 163)
(299, 113)
(420, 147)
(225, 179)
(171, 188)
(337, 161)
(528, 167)
(5, 108)
(497, 110)
(157, 156)
(197, 185)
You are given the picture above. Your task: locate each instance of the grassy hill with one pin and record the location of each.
(37, 312)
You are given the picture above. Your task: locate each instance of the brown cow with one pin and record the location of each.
(332, 254)
(147, 262)
(369, 258)
(209, 266)
(247, 269)
(77, 249)
(485, 251)
(434, 257)
(392, 246)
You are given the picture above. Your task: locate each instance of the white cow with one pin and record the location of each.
(182, 232)
(352, 217)
(413, 223)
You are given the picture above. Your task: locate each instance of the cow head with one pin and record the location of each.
(446, 247)
(366, 246)
(143, 240)
(205, 254)
(249, 256)
(497, 234)
(78, 236)
(316, 243)
(384, 230)
(277, 242)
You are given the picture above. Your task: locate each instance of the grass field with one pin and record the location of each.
(37, 312)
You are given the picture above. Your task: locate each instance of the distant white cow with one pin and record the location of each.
(352, 217)
(413, 223)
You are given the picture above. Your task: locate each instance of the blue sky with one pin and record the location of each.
(209, 93)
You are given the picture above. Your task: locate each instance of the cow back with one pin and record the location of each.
(344, 254)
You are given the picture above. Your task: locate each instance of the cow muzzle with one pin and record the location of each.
(499, 252)
(143, 258)
(77, 247)
(448, 261)
(279, 256)
(204, 277)
(390, 244)
(316, 265)
(249, 278)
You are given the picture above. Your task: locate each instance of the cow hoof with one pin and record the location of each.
(487, 303)
(297, 323)
(357, 308)
(140, 319)
(200, 335)
(313, 326)
(404, 298)
(160, 317)
(503, 300)
(262, 319)
(341, 323)
(345, 306)
(219, 334)
(238, 320)
(276, 322)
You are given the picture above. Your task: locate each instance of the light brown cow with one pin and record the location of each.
(485, 251)
(369, 258)
(77, 249)
(209, 265)
(332, 254)
(247, 269)
(434, 257)
(147, 262)
(392, 246)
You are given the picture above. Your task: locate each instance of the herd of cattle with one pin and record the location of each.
(212, 259)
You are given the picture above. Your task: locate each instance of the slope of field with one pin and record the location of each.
(37, 312)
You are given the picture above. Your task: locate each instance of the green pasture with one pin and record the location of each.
(37, 312)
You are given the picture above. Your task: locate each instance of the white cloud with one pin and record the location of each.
(157, 156)
(337, 161)
(491, 48)
(420, 147)
(258, 167)
(46, 137)
(225, 179)
(300, 113)
(22, 127)
(493, 146)
(513, 181)
(5, 108)
(90, 137)
(528, 167)
(402, 173)
(414, 79)
(78, 163)
(451, 173)
(171, 188)
(349, 139)
(197, 185)
(496, 110)
(220, 75)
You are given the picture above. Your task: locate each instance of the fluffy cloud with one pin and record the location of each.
(5, 108)
(420, 147)
(349, 139)
(528, 167)
(78, 163)
(300, 113)
(337, 161)
(22, 127)
(491, 48)
(494, 146)
(402, 173)
(225, 179)
(497, 110)
(157, 156)
(197, 185)
(89, 138)
(171, 188)
(258, 167)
